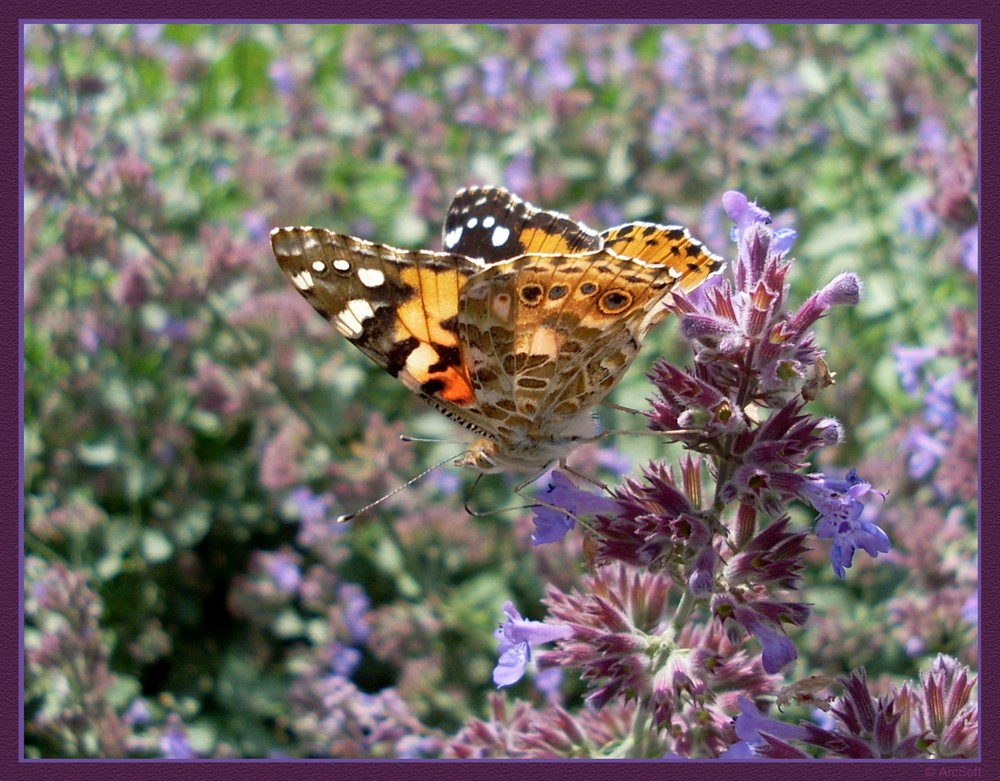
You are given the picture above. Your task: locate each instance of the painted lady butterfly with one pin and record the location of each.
(517, 330)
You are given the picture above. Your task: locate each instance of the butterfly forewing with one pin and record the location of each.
(397, 306)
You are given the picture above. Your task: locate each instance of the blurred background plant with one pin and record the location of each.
(192, 429)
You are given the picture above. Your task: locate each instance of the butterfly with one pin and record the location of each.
(523, 323)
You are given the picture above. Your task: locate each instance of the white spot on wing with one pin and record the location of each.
(361, 309)
(350, 321)
(309, 241)
(472, 223)
(303, 280)
(489, 222)
(451, 237)
(500, 235)
(319, 266)
(420, 360)
(348, 324)
(371, 277)
(341, 265)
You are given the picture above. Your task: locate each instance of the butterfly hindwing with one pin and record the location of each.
(550, 337)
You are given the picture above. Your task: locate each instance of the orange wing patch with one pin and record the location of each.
(433, 363)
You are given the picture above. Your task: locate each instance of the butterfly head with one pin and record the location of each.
(486, 456)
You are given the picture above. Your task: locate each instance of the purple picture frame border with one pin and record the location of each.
(12, 384)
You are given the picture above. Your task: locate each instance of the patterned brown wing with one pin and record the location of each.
(670, 245)
(399, 307)
(494, 224)
(549, 337)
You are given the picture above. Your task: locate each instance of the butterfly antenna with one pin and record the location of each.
(351, 516)
(408, 438)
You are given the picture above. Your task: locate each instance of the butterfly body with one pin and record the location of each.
(517, 330)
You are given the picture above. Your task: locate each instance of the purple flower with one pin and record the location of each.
(743, 212)
(549, 681)
(970, 249)
(552, 525)
(174, 743)
(783, 239)
(759, 619)
(494, 76)
(663, 131)
(316, 527)
(515, 637)
(939, 405)
(672, 64)
(344, 660)
(138, 713)
(757, 35)
(356, 606)
(550, 48)
(149, 33)
(933, 135)
(175, 329)
(751, 725)
(762, 108)
(256, 225)
(519, 175)
(89, 339)
(312, 507)
(282, 77)
(909, 364)
(970, 609)
(840, 507)
(407, 102)
(283, 569)
(918, 220)
(925, 452)
(778, 649)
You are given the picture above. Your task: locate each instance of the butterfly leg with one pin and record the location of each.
(620, 408)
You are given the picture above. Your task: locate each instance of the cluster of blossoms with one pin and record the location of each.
(906, 723)
(69, 683)
(666, 555)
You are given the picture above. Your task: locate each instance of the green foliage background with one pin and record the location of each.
(167, 430)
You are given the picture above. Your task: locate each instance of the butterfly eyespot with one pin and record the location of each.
(615, 301)
(557, 291)
(531, 295)
(588, 289)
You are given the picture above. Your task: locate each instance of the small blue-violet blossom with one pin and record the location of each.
(552, 525)
(515, 637)
(840, 507)
(743, 212)
(750, 725)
